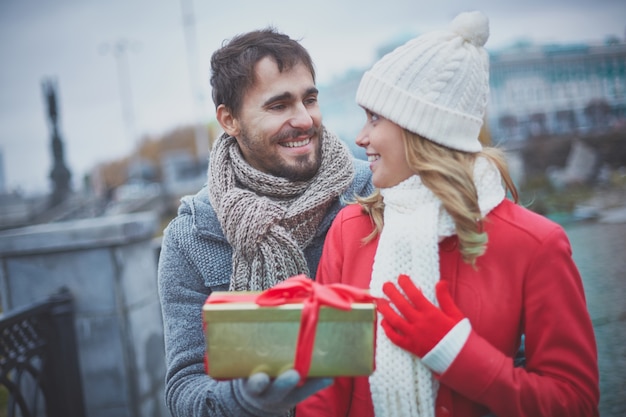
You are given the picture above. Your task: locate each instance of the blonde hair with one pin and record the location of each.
(448, 173)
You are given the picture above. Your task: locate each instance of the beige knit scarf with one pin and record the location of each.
(415, 222)
(269, 220)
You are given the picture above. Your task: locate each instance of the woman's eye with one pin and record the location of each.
(374, 117)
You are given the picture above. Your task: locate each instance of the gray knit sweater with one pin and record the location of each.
(195, 260)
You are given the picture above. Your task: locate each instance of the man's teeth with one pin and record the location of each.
(372, 158)
(296, 144)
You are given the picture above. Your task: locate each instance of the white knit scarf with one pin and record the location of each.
(269, 220)
(414, 223)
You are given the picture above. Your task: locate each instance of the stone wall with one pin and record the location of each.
(109, 265)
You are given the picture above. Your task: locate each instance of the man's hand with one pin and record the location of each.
(261, 395)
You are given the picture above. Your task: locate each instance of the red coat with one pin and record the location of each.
(526, 283)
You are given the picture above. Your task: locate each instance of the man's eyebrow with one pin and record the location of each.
(288, 96)
(279, 97)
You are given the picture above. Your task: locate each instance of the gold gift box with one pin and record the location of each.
(243, 338)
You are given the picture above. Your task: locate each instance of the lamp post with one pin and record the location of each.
(201, 134)
(120, 50)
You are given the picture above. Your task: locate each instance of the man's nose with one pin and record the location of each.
(301, 117)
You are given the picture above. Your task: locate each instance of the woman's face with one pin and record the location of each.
(384, 146)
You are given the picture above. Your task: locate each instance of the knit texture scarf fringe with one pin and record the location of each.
(269, 220)
(414, 223)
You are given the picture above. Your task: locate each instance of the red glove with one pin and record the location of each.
(422, 325)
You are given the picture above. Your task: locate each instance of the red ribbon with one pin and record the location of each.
(300, 289)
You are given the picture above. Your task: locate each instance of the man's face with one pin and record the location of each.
(279, 123)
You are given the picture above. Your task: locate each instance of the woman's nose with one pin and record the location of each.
(362, 138)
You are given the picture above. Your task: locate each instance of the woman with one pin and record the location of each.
(466, 272)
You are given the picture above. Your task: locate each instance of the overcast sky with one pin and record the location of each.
(73, 42)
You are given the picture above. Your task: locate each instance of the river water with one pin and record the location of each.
(599, 250)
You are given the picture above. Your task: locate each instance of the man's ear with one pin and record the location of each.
(226, 119)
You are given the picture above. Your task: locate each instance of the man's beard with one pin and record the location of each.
(304, 169)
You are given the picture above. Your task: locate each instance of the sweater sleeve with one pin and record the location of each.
(189, 390)
(561, 374)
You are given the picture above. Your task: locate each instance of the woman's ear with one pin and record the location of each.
(226, 119)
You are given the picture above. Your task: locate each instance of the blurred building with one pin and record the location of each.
(183, 174)
(340, 112)
(539, 90)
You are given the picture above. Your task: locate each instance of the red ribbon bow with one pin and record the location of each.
(300, 289)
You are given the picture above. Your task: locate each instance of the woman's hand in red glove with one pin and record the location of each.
(421, 325)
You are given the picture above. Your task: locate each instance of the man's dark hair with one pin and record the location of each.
(232, 66)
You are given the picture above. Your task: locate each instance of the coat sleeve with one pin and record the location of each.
(189, 391)
(333, 401)
(561, 374)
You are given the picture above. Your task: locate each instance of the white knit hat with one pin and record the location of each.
(435, 85)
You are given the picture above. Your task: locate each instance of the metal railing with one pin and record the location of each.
(39, 359)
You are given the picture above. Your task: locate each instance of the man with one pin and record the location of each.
(276, 180)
